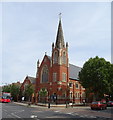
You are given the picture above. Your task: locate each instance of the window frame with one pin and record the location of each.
(54, 76)
(45, 71)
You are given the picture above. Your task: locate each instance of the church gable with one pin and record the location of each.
(45, 69)
(46, 60)
(28, 80)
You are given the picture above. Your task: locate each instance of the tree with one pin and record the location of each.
(111, 81)
(43, 93)
(6, 88)
(29, 90)
(15, 90)
(96, 76)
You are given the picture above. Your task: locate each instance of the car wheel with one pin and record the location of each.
(92, 108)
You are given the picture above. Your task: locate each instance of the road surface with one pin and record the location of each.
(12, 110)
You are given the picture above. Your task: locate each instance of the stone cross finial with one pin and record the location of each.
(60, 15)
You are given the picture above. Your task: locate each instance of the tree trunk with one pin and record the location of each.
(17, 98)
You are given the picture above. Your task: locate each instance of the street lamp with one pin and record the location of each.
(67, 91)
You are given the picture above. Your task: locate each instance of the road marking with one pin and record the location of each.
(15, 115)
(19, 111)
(4, 110)
(33, 116)
(70, 113)
(56, 111)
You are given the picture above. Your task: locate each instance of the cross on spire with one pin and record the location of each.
(60, 15)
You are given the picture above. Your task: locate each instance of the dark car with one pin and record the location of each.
(110, 103)
(98, 105)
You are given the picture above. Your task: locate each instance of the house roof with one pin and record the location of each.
(17, 83)
(49, 57)
(32, 79)
(74, 71)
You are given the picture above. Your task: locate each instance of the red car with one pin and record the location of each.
(110, 103)
(98, 105)
(5, 100)
(0, 99)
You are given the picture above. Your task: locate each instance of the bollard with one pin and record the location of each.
(66, 104)
(29, 104)
(48, 104)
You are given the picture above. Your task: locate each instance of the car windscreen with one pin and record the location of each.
(5, 97)
(110, 102)
(94, 102)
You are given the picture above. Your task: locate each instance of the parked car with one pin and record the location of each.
(0, 98)
(110, 103)
(6, 100)
(98, 105)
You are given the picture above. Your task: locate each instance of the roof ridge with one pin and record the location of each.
(75, 65)
(30, 77)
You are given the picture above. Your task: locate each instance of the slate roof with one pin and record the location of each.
(74, 71)
(49, 57)
(32, 79)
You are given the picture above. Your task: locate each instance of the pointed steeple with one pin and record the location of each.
(60, 39)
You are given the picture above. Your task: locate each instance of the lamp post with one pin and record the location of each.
(80, 93)
(49, 97)
(73, 94)
(49, 103)
(67, 91)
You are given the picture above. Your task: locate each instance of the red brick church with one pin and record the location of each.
(56, 76)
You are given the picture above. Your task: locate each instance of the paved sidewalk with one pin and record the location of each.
(42, 105)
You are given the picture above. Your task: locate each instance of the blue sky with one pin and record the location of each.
(28, 30)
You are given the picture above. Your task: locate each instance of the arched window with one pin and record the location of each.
(64, 77)
(55, 57)
(44, 74)
(64, 58)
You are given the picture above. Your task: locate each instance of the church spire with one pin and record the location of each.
(60, 39)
